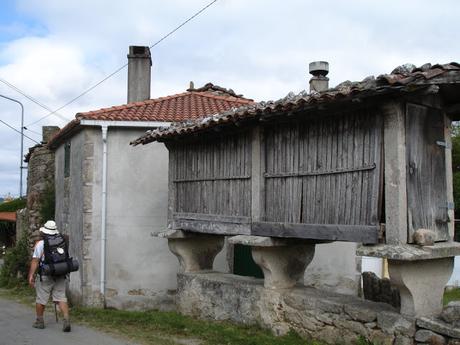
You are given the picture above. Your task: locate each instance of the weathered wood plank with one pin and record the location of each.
(395, 174)
(333, 232)
(426, 166)
(363, 167)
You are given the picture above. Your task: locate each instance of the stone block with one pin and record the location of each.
(439, 326)
(391, 322)
(357, 312)
(424, 237)
(426, 336)
(401, 340)
(451, 313)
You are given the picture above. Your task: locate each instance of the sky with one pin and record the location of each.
(53, 50)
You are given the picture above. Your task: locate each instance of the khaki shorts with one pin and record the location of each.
(54, 286)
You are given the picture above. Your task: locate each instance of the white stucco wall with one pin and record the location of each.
(335, 267)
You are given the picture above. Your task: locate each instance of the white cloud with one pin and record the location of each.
(258, 48)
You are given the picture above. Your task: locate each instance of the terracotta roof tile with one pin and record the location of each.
(8, 216)
(193, 104)
(403, 78)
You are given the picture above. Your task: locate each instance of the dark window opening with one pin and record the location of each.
(67, 159)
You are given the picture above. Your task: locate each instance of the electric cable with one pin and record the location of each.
(122, 67)
(18, 131)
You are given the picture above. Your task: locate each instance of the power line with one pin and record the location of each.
(34, 100)
(34, 132)
(14, 129)
(126, 64)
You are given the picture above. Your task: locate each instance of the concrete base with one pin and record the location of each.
(421, 284)
(196, 253)
(283, 266)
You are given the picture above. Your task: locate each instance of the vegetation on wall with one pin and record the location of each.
(47, 203)
(13, 273)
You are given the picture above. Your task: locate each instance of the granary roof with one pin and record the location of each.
(405, 78)
(192, 104)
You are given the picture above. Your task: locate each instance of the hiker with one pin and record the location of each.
(48, 251)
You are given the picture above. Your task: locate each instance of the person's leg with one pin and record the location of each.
(40, 309)
(43, 290)
(64, 306)
(59, 296)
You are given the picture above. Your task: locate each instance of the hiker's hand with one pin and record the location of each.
(32, 282)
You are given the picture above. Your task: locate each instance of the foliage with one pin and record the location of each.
(452, 295)
(47, 203)
(13, 205)
(155, 327)
(14, 271)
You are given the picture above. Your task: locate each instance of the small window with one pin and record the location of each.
(67, 159)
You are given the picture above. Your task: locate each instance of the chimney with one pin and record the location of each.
(139, 67)
(319, 82)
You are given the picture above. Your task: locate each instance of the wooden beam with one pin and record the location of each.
(395, 173)
(257, 170)
(211, 217)
(333, 232)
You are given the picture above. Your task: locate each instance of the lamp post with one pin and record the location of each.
(21, 167)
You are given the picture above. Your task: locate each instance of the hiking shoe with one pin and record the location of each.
(66, 326)
(40, 324)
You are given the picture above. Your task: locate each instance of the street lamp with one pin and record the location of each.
(21, 167)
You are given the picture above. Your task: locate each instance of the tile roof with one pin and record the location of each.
(8, 216)
(402, 79)
(192, 104)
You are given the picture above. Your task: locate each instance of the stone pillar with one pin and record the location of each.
(195, 252)
(283, 261)
(421, 284)
(283, 266)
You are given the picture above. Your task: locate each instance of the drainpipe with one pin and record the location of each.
(103, 212)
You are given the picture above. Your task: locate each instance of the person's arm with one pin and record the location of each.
(33, 268)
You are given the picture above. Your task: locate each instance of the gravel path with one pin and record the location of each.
(16, 329)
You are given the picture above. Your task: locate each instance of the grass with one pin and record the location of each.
(452, 295)
(165, 328)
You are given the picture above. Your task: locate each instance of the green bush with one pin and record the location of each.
(13, 205)
(14, 271)
(47, 202)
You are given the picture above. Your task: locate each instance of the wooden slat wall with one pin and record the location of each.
(325, 171)
(426, 165)
(213, 176)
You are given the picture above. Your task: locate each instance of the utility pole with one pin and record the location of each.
(21, 167)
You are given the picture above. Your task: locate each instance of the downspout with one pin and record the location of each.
(103, 212)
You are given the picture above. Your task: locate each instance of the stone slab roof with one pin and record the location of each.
(192, 104)
(404, 78)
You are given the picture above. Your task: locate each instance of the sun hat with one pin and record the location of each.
(49, 228)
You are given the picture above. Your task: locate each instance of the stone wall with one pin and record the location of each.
(314, 314)
(444, 330)
(40, 178)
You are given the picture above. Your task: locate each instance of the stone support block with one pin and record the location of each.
(197, 252)
(421, 284)
(283, 266)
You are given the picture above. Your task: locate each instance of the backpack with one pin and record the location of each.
(57, 261)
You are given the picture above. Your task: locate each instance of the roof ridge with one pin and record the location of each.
(225, 98)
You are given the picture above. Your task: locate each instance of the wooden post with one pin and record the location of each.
(257, 175)
(395, 173)
(449, 177)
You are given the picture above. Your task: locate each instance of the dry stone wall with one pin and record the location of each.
(40, 179)
(314, 314)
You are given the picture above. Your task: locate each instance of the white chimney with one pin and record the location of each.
(319, 82)
(139, 68)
